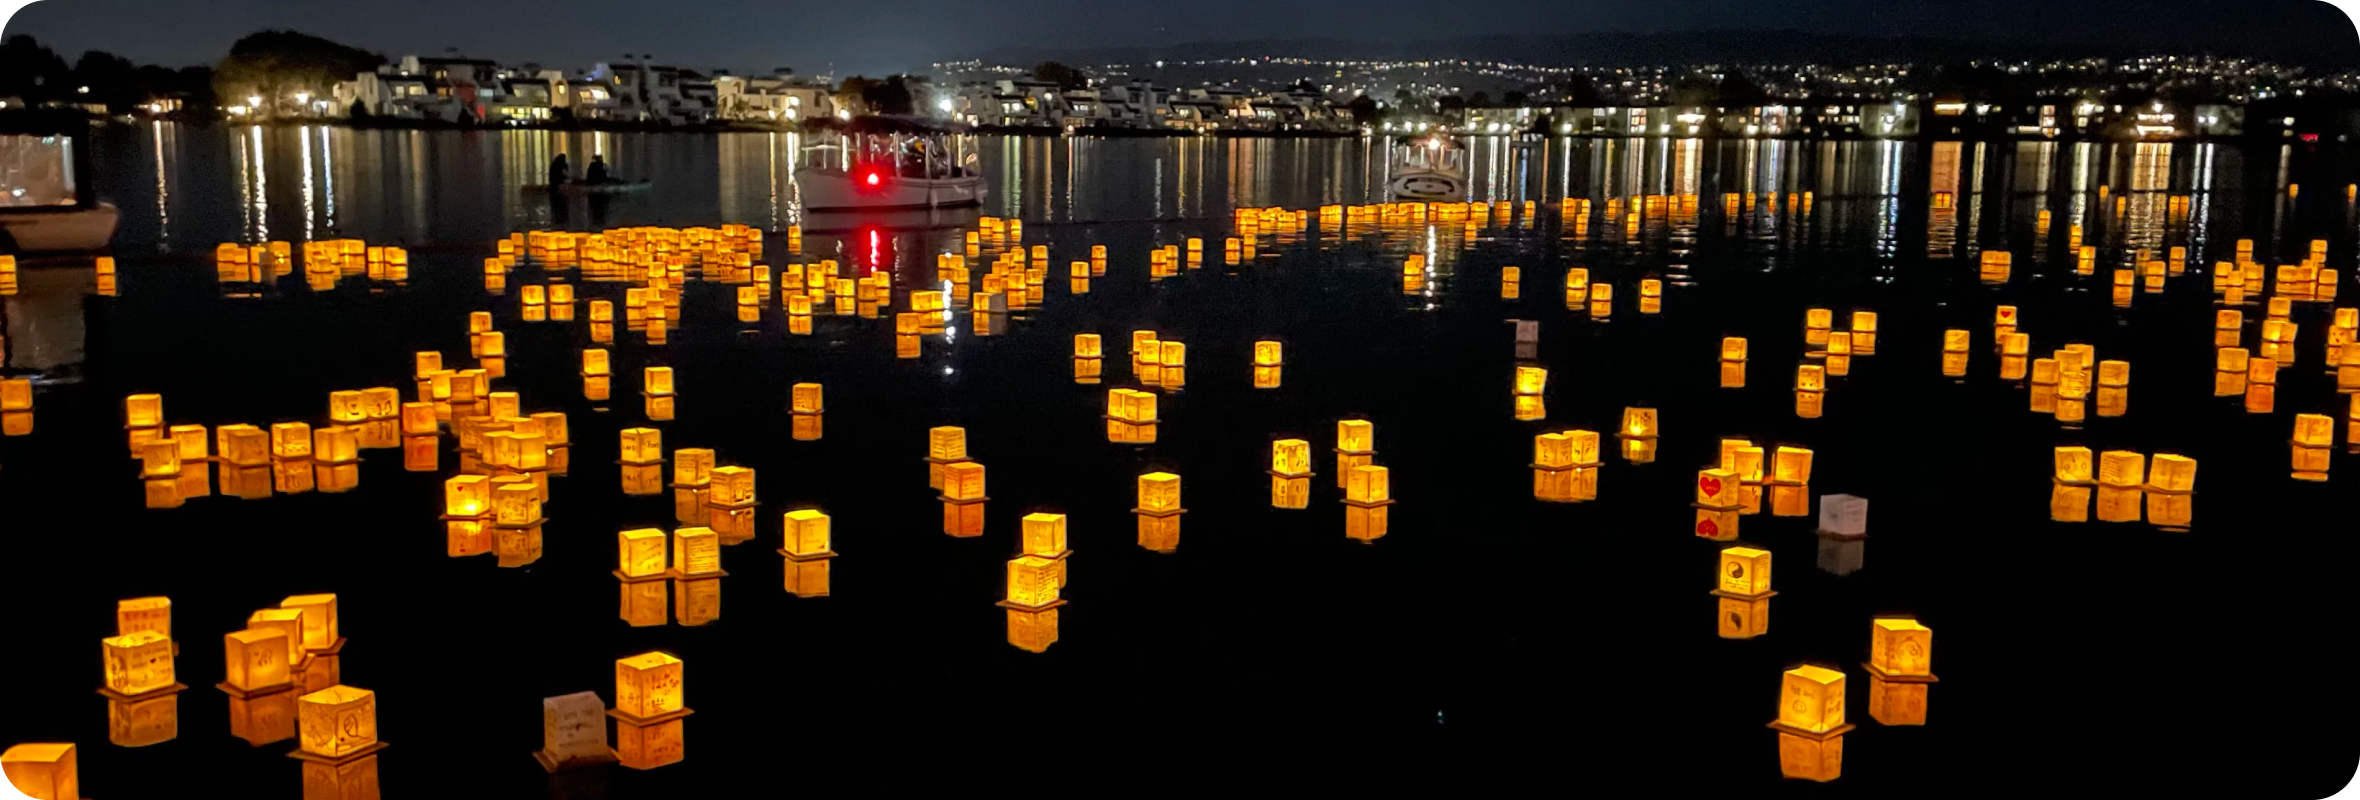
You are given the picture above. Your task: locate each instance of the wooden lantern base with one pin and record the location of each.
(549, 762)
(658, 719)
(1146, 513)
(1791, 730)
(664, 575)
(1892, 678)
(532, 523)
(1360, 504)
(333, 648)
(819, 556)
(1845, 537)
(679, 485)
(657, 462)
(1737, 596)
(303, 755)
(1011, 604)
(965, 502)
(175, 688)
(249, 694)
(677, 575)
(1578, 465)
(1731, 507)
(1277, 474)
(2154, 489)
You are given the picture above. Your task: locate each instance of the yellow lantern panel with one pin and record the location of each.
(337, 721)
(1159, 492)
(2122, 468)
(808, 398)
(946, 443)
(2073, 465)
(2170, 472)
(963, 481)
(649, 684)
(1811, 699)
(1744, 571)
(1901, 647)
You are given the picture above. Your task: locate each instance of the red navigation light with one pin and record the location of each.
(873, 179)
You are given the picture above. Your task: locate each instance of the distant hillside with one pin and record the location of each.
(1735, 47)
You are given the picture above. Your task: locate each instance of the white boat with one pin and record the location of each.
(45, 204)
(1432, 168)
(893, 164)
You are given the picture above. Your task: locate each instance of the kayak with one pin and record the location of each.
(587, 188)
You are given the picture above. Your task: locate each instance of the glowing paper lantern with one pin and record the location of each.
(642, 446)
(43, 771)
(1744, 572)
(807, 398)
(1290, 458)
(1811, 700)
(338, 722)
(322, 633)
(138, 663)
(640, 553)
(141, 410)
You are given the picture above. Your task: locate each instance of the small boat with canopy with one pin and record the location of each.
(1430, 168)
(892, 163)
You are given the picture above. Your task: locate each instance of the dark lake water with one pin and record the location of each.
(1487, 635)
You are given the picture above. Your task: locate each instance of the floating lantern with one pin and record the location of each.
(1810, 378)
(807, 398)
(1791, 466)
(1365, 485)
(2073, 465)
(1531, 380)
(2122, 469)
(639, 553)
(138, 663)
(338, 722)
(642, 446)
(1733, 348)
(1356, 437)
(1032, 582)
(1638, 423)
(2171, 474)
(1131, 405)
(732, 486)
(1744, 573)
(963, 481)
(1811, 701)
(1290, 458)
(1269, 353)
(335, 444)
(657, 382)
(1900, 648)
(516, 505)
(696, 553)
(43, 771)
(139, 410)
(1159, 493)
(1086, 345)
(290, 440)
(1954, 352)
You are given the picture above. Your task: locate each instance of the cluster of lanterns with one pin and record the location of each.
(243, 268)
(507, 457)
(651, 704)
(1811, 721)
(176, 461)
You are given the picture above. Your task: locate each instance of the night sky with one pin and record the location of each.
(878, 37)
